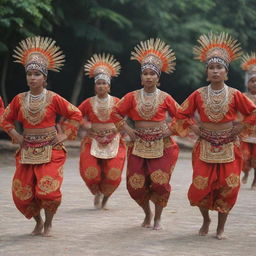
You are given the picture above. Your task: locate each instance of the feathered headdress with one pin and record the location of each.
(218, 48)
(154, 54)
(39, 53)
(249, 66)
(102, 67)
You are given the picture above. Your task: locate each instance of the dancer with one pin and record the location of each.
(217, 159)
(152, 153)
(40, 159)
(103, 151)
(248, 144)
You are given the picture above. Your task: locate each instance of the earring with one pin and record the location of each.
(207, 79)
(226, 77)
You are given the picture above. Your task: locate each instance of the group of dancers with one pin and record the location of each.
(223, 119)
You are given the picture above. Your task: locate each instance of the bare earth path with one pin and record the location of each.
(80, 230)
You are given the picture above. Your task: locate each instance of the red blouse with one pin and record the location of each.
(53, 105)
(236, 102)
(97, 113)
(131, 105)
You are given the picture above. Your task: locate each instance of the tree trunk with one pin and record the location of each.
(3, 79)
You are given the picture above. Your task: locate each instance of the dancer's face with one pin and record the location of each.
(252, 85)
(149, 79)
(216, 73)
(102, 88)
(35, 80)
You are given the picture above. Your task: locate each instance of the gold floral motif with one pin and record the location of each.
(200, 182)
(102, 109)
(35, 118)
(233, 180)
(159, 177)
(143, 113)
(114, 174)
(22, 192)
(215, 116)
(221, 206)
(137, 181)
(48, 185)
(91, 173)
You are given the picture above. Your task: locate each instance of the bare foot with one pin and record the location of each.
(104, 202)
(47, 230)
(253, 187)
(38, 228)
(147, 221)
(203, 231)
(97, 201)
(220, 235)
(157, 225)
(245, 178)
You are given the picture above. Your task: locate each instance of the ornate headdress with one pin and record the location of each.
(154, 54)
(102, 67)
(217, 48)
(249, 66)
(39, 53)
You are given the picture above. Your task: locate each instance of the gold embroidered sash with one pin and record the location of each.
(37, 145)
(216, 154)
(40, 155)
(105, 151)
(148, 149)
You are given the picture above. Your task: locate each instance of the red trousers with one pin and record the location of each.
(148, 179)
(101, 175)
(37, 186)
(249, 156)
(215, 186)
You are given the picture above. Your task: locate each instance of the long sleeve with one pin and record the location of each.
(10, 115)
(121, 109)
(183, 117)
(72, 114)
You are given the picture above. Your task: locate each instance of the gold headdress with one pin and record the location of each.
(102, 67)
(154, 54)
(249, 66)
(39, 53)
(218, 48)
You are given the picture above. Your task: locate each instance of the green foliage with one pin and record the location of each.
(83, 27)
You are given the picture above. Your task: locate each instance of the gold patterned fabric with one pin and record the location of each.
(40, 155)
(159, 177)
(200, 182)
(114, 174)
(47, 185)
(91, 172)
(216, 154)
(21, 192)
(105, 151)
(233, 180)
(136, 181)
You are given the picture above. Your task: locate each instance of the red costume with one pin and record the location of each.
(1, 106)
(102, 155)
(39, 162)
(148, 176)
(217, 158)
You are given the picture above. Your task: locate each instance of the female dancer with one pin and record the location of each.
(40, 159)
(248, 144)
(217, 159)
(152, 153)
(102, 149)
